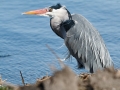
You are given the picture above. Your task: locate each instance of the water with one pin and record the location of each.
(23, 38)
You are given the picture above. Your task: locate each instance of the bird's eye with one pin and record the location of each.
(50, 9)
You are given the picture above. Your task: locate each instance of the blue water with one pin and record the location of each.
(23, 38)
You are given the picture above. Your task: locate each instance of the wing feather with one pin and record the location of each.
(86, 45)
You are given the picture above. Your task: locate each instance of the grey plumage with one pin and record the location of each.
(86, 45)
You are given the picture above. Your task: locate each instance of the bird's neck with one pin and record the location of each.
(55, 24)
(56, 21)
(67, 21)
(61, 24)
(68, 24)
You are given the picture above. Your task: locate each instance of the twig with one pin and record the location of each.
(22, 78)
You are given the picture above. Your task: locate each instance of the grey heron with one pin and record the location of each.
(81, 38)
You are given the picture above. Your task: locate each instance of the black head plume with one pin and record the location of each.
(57, 6)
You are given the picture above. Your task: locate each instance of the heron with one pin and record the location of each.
(81, 38)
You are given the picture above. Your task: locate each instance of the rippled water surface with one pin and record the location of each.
(23, 38)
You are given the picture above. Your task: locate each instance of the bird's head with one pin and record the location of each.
(52, 11)
(58, 14)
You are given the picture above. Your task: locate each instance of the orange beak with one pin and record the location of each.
(36, 12)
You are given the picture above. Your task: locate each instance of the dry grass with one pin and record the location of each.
(65, 79)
